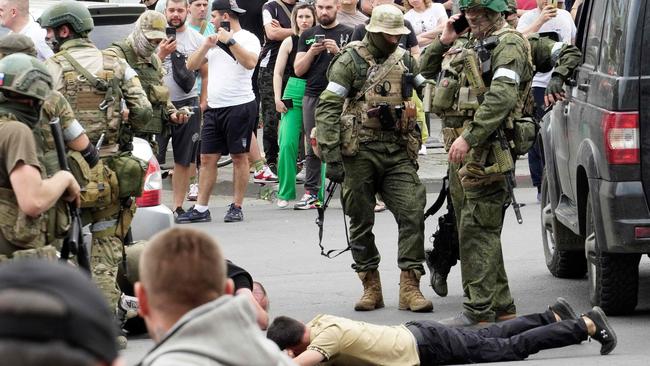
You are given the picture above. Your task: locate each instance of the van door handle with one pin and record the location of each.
(583, 87)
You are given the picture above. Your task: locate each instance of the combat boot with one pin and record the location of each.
(372, 298)
(410, 297)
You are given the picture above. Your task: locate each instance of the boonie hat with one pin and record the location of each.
(42, 301)
(17, 43)
(387, 18)
(227, 5)
(152, 24)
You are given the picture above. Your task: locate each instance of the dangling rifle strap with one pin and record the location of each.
(331, 187)
(442, 196)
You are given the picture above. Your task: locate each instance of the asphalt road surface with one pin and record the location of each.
(279, 248)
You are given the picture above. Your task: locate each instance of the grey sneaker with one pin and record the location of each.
(563, 309)
(234, 214)
(462, 320)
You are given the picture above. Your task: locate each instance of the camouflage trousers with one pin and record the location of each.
(105, 258)
(480, 214)
(270, 116)
(384, 168)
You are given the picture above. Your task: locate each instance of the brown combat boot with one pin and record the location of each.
(410, 297)
(372, 298)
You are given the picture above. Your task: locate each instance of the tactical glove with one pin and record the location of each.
(555, 86)
(335, 172)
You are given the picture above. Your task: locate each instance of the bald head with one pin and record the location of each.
(14, 14)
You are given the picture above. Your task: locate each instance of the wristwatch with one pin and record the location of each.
(230, 42)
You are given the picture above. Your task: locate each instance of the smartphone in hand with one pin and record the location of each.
(319, 38)
(171, 33)
(288, 103)
(225, 25)
(460, 24)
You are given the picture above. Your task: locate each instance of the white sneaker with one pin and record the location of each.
(283, 203)
(423, 150)
(193, 192)
(264, 175)
(301, 176)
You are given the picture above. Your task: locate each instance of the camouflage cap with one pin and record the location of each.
(17, 43)
(512, 6)
(387, 19)
(152, 24)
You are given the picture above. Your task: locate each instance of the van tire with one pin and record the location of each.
(613, 277)
(561, 263)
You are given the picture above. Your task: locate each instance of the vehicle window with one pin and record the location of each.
(615, 36)
(594, 33)
(102, 36)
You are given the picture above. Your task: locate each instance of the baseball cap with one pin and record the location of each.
(227, 5)
(42, 301)
(17, 43)
(153, 24)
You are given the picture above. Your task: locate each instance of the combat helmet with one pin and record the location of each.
(25, 75)
(387, 19)
(498, 6)
(67, 12)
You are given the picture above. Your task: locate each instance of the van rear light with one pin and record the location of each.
(621, 133)
(152, 192)
(642, 232)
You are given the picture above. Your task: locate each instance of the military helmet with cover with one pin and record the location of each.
(68, 12)
(511, 7)
(387, 19)
(497, 6)
(25, 75)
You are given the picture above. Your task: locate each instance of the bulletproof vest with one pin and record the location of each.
(21, 230)
(150, 75)
(465, 77)
(96, 105)
(385, 93)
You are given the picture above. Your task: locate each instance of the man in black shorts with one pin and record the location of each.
(228, 123)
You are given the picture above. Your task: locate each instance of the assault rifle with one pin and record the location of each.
(73, 242)
(504, 159)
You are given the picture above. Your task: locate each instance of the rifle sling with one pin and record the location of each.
(321, 218)
(442, 196)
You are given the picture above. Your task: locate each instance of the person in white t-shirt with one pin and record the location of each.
(231, 116)
(14, 15)
(427, 18)
(544, 18)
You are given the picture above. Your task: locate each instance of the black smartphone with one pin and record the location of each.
(319, 38)
(551, 35)
(288, 103)
(225, 25)
(460, 24)
(171, 33)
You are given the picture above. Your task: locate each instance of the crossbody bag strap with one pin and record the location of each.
(284, 8)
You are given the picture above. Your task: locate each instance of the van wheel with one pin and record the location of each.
(613, 277)
(561, 263)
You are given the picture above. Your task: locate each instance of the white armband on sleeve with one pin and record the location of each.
(337, 89)
(73, 131)
(506, 73)
(129, 73)
(419, 79)
(555, 51)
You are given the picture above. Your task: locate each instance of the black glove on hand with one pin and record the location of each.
(555, 86)
(335, 172)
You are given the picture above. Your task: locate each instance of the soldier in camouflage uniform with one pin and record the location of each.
(477, 98)
(546, 55)
(32, 217)
(366, 129)
(138, 50)
(101, 89)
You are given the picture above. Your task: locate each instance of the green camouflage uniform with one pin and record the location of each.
(110, 223)
(480, 206)
(383, 164)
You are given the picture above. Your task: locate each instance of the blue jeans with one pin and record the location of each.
(535, 158)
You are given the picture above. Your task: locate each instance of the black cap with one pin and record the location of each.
(227, 5)
(41, 301)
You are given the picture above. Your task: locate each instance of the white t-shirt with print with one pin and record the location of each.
(562, 24)
(229, 83)
(427, 20)
(187, 42)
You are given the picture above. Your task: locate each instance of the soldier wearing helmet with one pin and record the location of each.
(106, 95)
(366, 127)
(28, 198)
(483, 86)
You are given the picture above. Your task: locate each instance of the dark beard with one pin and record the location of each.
(328, 22)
